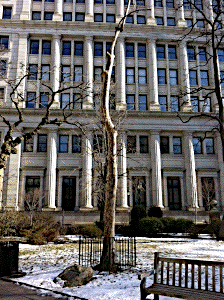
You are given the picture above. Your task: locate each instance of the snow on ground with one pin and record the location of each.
(43, 263)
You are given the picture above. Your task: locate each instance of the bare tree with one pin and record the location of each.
(208, 193)
(32, 202)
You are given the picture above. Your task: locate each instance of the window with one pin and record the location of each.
(98, 1)
(44, 97)
(98, 143)
(65, 101)
(98, 17)
(78, 49)
(144, 144)
(159, 21)
(170, 3)
(110, 18)
(65, 73)
(161, 76)
(130, 100)
(77, 101)
(110, 1)
(187, 4)
(32, 183)
(173, 77)
(80, 1)
(172, 52)
(42, 143)
(129, 19)
(206, 105)
(7, 12)
(113, 75)
(171, 22)
(160, 49)
(131, 144)
(191, 53)
(98, 49)
(63, 143)
(4, 42)
(126, 2)
(163, 103)
(198, 4)
(189, 22)
(142, 102)
(3, 68)
(204, 78)
(48, 15)
(141, 51)
(158, 3)
(140, 19)
(46, 47)
(177, 145)
(193, 77)
(197, 145)
(79, 17)
(98, 74)
(36, 15)
(221, 55)
(32, 72)
(209, 145)
(66, 48)
(195, 103)
(140, 2)
(49, 0)
(142, 76)
(45, 72)
(28, 145)
(2, 92)
(77, 73)
(200, 24)
(129, 50)
(108, 46)
(164, 145)
(67, 16)
(34, 47)
(76, 144)
(174, 103)
(222, 78)
(30, 99)
(202, 54)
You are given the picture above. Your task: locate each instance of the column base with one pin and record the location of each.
(151, 21)
(118, 18)
(88, 105)
(48, 208)
(89, 18)
(191, 208)
(186, 108)
(123, 209)
(87, 208)
(154, 107)
(182, 23)
(25, 15)
(216, 108)
(55, 105)
(57, 17)
(121, 106)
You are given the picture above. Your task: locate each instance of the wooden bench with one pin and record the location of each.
(184, 278)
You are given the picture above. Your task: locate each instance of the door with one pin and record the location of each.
(174, 195)
(68, 193)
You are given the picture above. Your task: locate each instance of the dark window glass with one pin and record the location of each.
(144, 144)
(131, 144)
(49, 0)
(98, 17)
(32, 72)
(78, 51)
(129, 47)
(63, 143)
(202, 54)
(110, 1)
(66, 48)
(159, 21)
(209, 144)
(198, 4)
(77, 101)
(177, 145)
(197, 144)
(98, 74)
(200, 24)
(171, 22)
(173, 77)
(2, 93)
(140, 19)
(163, 103)
(160, 49)
(34, 47)
(164, 144)
(80, 1)
(98, 143)
(45, 72)
(113, 75)
(67, 16)
(110, 18)
(172, 52)
(206, 105)
(65, 101)
(140, 2)
(193, 77)
(174, 103)
(30, 100)
(130, 100)
(98, 49)
(76, 144)
(204, 78)
(187, 4)
(4, 42)
(221, 55)
(222, 78)
(130, 75)
(28, 145)
(32, 184)
(46, 47)
(195, 104)
(48, 15)
(36, 15)
(7, 12)
(142, 78)
(80, 17)
(158, 3)
(3, 68)
(129, 19)
(98, 1)
(191, 53)
(189, 22)
(126, 2)
(44, 97)
(170, 3)
(77, 73)
(108, 46)
(161, 76)
(42, 143)
(142, 102)
(141, 51)
(65, 73)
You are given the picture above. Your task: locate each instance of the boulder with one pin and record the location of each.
(75, 276)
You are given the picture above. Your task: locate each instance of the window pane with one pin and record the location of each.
(200, 23)
(191, 53)
(195, 104)
(189, 22)
(98, 74)
(142, 102)
(158, 3)
(204, 78)
(78, 73)
(36, 15)
(45, 72)
(221, 55)
(77, 101)
(141, 51)
(63, 143)
(7, 13)
(140, 19)
(163, 103)
(43, 100)
(159, 21)
(170, 21)
(193, 77)
(66, 48)
(177, 148)
(28, 145)
(48, 15)
(65, 101)
(130, 99)
(129, 19)
(173, 77)
(32, 72)
(130, 75)
(76, 144)
(30, 101)
(110, 18)
(161, 76)
(129, 50)
(78, 49)
(144, 145)
(79, 17)
(202, 54)
(34, 47)
(98, 143)
(46, 47)
(98, 17)
(67, 16)
(209, 143)
(164, 144)
(142, 76)
(197, 145)
(206, 105)
(42, 143)
(160, 51)
(172, 54)
(174, 103)
(66, 73)
(98, 49)
(170, 3)
(131, 144)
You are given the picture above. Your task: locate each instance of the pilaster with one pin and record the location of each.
(89, 11)
(25, 12)
(180, 14)
(150, 19)
(58, 12)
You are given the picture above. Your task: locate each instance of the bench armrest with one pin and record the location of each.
(144, 275)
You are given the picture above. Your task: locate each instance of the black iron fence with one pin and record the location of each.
(90, 250)
(9, 258)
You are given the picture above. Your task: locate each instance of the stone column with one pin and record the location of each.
(184, 77)
(51, 168)
(56, 65)
(87, 172)
(221, 167)
(88, 100)
(89, 11)
(180, 14)
(120, 73)
(208, 8)
(122, 161)
(153, 78)
(150, 13)
(119, 10)
(156, 170)
(58, 11)
(191, 181)
(25, 12)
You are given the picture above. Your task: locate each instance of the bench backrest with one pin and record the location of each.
(189, 273)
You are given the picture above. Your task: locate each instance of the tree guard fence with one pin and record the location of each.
(90, 251)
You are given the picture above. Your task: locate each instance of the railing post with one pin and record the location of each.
(79, 250)
(156, 266)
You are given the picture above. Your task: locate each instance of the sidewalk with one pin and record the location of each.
(11, 291)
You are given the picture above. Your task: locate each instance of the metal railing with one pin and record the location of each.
(90, 251)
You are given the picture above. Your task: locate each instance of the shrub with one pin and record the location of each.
(12, 223)
(100, 225)
(70, 229)
(214, 228)
(169, 224)
(138, 212)
(183, 225)
(150, 226)
(91, 231)
(155, 211)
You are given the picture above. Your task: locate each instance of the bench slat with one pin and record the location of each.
(186, 274)
(180, 273)
(206, 278)
(220, 279)
(199, 277)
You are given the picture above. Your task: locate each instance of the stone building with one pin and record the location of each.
(163, 161)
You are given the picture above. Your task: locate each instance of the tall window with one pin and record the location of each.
(221, 55)
(202, 53)
(209, 144)
(142, 102)
(76, 144)
(130, 100)
(204, 78)
(98, 74)
(141, 50)
(46, 47)
(3, 68)
(197, 144)
(78, 70)
(4, 42)
(66, 73)
(45, 72)
(195, 103)
(177, 146)
(98, 49)
(36, 15)
(30, 99)
(7, 12)
(42, 143)
(193, 77)
(98, 143)
(163, 103)
(160, 49)
(63, 143)
(48, 15)
(171, 22)
(172, 52)
(77, 101)
(174, 103)
(67, 16)
(191, 53)
(173, 77)
(130, 75)
(32, 72)
(161, 76)
(170, 3)
(78, 49)
(28, 145)
(65, 101)
(164, 144)
(142, 79)
(110, 18)
(66, 48)
(79, 17)
(131, 144)
(129, 47)
(44, 97)
(98, 17)
(144, 144)
(34, 47)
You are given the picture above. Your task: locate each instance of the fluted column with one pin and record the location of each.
(51, 168)
(191, 181)
(180, 14)
(25, 12)
(150, 13)
(120, 72)
(156, 170)
(119, 9)
(89, 11)
(58, 11)
(153, 78)
(87, 172)
(56, 62)
(208, 8)
(221, 167)
(88, 100)
(184, 77)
